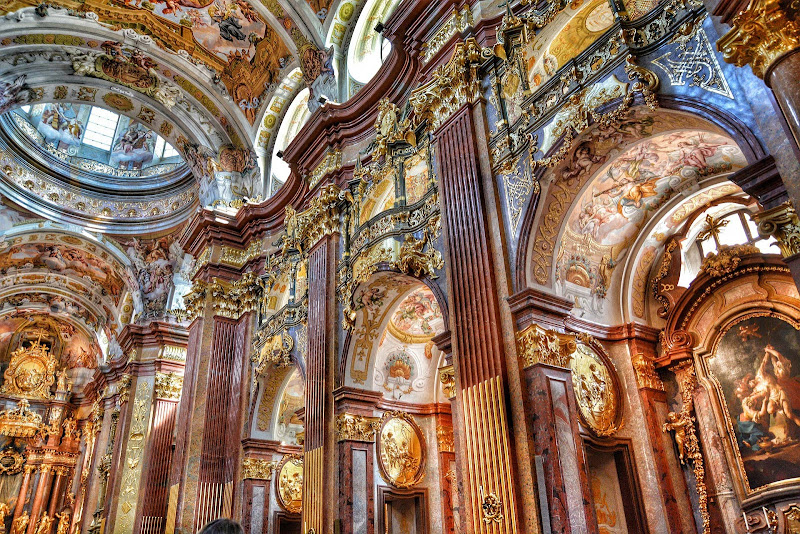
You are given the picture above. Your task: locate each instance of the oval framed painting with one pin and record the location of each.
(597, 389)
(289, 483)
(400, 446)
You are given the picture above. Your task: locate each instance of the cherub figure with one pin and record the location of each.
(677, 424)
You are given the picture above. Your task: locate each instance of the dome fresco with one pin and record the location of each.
(97, 140)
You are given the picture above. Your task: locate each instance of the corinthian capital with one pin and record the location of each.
(761, 34)
(782, 223)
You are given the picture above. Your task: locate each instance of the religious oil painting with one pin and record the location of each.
(756, 363)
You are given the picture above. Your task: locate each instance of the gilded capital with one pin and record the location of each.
(258, 469)
(321, 218)
(168, 386)
(350, 427)
(761, 34)
(537, 345)
(447, 376)
(782, 223)
(646, 375)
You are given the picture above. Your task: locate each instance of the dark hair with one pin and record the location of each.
(222, 526)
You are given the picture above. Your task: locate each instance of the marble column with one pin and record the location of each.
(220, 445)
(553, 417)
(355, 437)
(155, 489)
(23, 490)
(782, 77)
(40, 496)
(203, 478)
(481, 406)
(320, 472)
(672, 485)
(61, 474)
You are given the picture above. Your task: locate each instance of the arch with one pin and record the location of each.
(364, 51)
(536, 214)
(377, 302)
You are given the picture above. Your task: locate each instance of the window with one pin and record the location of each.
(100, 128)
(163, 150)
(730, 224)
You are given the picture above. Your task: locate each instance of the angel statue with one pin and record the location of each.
(20, 524)
(63, 522)
(45, 524)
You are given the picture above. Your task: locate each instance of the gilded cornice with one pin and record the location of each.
(453, 85)
(350, 427)
(761, 34)
(537, 345)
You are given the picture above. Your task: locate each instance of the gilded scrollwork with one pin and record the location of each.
(413, 259)
(453, 85)
(390, 129)
(726, 259)
(276, 351)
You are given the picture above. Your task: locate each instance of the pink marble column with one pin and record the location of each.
(41, 495)
(23, 490)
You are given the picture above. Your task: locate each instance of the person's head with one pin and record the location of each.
(222, 526)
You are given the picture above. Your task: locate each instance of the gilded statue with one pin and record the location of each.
(45, 525)
(677, 424)
(63, 522)
(20, 524)
(63, 383)
(5, 509)
(70, 428)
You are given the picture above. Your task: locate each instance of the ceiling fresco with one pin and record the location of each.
(97, 140)
(418, 317)
(288, 423)
(580, 24)
(623, 195)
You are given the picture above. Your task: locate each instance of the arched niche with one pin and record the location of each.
(612, 183)
(737, 326)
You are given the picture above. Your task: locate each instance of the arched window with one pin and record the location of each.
(368, 48)
(296, 116)
(719, 226)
